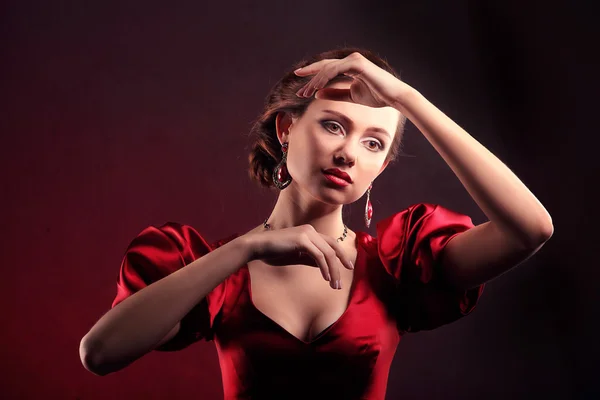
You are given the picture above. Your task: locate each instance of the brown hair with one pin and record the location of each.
(266, 149)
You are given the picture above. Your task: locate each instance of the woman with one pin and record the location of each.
(328, 130)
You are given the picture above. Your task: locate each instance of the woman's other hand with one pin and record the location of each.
(300, 245)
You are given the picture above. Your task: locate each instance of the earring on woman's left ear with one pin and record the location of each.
(368, 207)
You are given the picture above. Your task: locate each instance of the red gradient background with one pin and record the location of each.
(118, 115)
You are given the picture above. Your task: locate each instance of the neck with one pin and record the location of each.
(294, 208)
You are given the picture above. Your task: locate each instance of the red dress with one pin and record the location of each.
(395, 289)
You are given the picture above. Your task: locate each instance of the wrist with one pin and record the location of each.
(404, 97)
(246, 246)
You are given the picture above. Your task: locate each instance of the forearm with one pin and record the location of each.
(136, 325)
(504, 199)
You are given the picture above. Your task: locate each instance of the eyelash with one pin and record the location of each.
(325, 123)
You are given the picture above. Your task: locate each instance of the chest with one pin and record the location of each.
(297, 298)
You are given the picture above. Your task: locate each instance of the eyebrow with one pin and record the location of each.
(348, 121)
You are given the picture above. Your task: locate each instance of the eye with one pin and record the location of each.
(331, 123)
(377, 145)
(326, 124)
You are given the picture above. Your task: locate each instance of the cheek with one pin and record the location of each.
(300, 162)
(305, 153)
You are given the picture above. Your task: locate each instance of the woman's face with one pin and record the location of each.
(344, 135)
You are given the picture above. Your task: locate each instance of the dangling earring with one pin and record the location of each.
(281, 176)
(368, 207)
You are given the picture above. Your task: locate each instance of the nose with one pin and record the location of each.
(347, 153)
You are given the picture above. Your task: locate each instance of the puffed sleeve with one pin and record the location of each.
(157, 252)
(409, 244)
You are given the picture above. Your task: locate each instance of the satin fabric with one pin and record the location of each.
(396, 289)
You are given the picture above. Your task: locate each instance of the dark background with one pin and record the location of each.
(119, 115)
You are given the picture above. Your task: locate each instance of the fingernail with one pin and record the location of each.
(351, 265)
(298, 69)
(338, 284)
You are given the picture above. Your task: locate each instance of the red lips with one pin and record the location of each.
(339, 173)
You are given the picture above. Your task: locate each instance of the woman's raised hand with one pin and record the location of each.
(372, 86)
(300, 245)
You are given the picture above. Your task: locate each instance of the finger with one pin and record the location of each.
(330, 254)
(314, 67)
(316, 253)
(341, 254)
(347, 66)
(323, 74)
(302, 91)
(324, 71)
(334, 94)
(320, 80)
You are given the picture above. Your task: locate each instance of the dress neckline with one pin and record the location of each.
(324, 332)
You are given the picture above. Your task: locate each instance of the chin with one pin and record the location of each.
(335, 197)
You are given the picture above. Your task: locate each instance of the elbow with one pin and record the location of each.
(544, 234)
(89, 355)
(538, 238)
(546, 228)
(548, 231)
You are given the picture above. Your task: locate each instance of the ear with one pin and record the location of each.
(283, 122)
